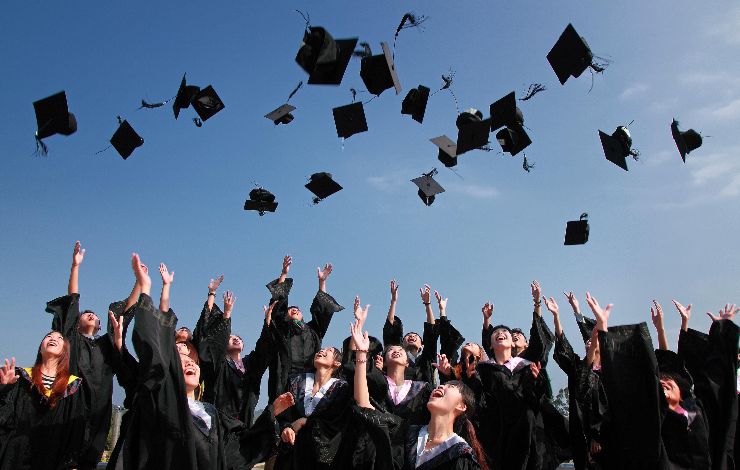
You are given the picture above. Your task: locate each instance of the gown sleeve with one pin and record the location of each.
(323, 308)
(428, 355)
(66, 312)
(154, 341)
(393, 333)
(564, 356)
(450, 340)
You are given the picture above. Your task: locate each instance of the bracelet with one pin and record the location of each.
(426, 303)
(361, 350)
(211, 294)
(537, 303)
(360, 361)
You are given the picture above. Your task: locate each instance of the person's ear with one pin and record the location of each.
(461, 407)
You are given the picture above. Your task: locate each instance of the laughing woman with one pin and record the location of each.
(447, 441)
(41, 411)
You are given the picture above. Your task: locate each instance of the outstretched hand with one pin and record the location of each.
(117, 325)
(394, 291)
(443, 365)
(323, 274)
(282, 403)
(487, 310)
(141, 273)
(229, 301)
(360, 338)
(360, 313)
(7, 373)
(287, 261)
(536, 290)
(727, 313)
(78, 255)
(425, 293)
(167, 277)
(213, 285)
(551, 305)
(656, 314)
(573, 301)
(536, 368)
(601, 314)
(268, 312)
(442, 302)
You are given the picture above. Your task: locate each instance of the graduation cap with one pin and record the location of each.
(53, 117)
(672, 365)
(576, 231)
(260, 200)
(505, 112)
(282, 115)
(685, 141)
(125, 140)
(447, 150)
(207, 103)
(428, 187)
(323, 186)
(513, 139)
(184, 97)
(618, 146)
(415, 103)
(350, 119)
(472, 131)
(570, 56)
(324, 58)
(378, 72)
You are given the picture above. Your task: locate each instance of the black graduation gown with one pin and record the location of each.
(291, 346)
(34, 436)
(232, 391)
(420, 368)
(686, 441)
(508, 402)
(712, 362)
(95, 360)
(459, 456)
(160, 433)
(629, 373)
(450, 340)
(320, 440)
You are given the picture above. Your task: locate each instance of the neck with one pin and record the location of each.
(49, 366)
(396, 373)
(87, 331)
(440, 427)
(322, 376)
(502, 355)
(191, 394)
(235, 355)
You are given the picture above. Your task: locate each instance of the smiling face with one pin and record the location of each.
(501, 339)
(446, 399)
(89, 323)
(396, 355)
(191, 373)
(326, 357)
(471, 350)
(52, 345)
(671, 391)
(413, 340)
(294, 313)
(519, 341)
(235, 344)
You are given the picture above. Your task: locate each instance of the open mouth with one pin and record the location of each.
(51, 344)
(438, 392)
(190, 371)
(395, 354)
(500, 337)
(320, 354)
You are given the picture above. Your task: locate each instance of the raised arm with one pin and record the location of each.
(656, 314)
(287, 261)
(426, 294)
(394, 299)
(117, 334)
(167, 278)
(361, 343)
(685, 313)
(450, 338)
(536, 296)
(212, 288)
(78, 255)
(552, 306)
(487, 310)
(324, 306)
(323, 275)
(601, 314)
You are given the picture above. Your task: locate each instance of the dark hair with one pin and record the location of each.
(683, 385)
(421, 340)
(192, 351)
(59, 387)
(459, 368)
(97, 326)
(464, 428)
(294, 306)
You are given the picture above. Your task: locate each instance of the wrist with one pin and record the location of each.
(211, 293)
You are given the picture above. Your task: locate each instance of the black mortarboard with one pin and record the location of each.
(576, 231)
(585, 326)
(447, 150)
(184, 97)
(618, 146)
(685, 141)
(473, 131)
(672, 365)
(207, 103)
(125, 140)
(260, 200)
(513, 139)
(323, 186)
(378, 72)
(350, 119)
(415, 103)
(428, 187)
(282, 115)
(323, 58)
(570, 56)
(53, 116)
(505, 112)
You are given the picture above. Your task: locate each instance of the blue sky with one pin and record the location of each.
(663, 230)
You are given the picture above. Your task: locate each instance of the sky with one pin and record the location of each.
(664, 230)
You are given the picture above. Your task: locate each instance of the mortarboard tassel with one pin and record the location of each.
(295, 90)
(41, 148)
(409, 20)
(526, 165)
(533, 90)
(306, 18)
(447, 79)
(198, 122)
(147, 105)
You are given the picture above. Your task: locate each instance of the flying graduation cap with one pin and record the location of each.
(322, 186)
(447, 150)
(472, 133)
(324, 58)
(53, 117)
(576, 231)
(378, 72)
(125, 140)
(685, 141)
(415, 103)
(205, 102)
(282, 115)
(505, 113)
(260, 200)
(184, 97)
(428, 187)
(350, 119)
(571, 56)
(618, 146)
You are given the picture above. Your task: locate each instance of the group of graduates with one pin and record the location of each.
(413, 401)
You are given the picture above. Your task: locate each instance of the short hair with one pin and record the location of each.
(415, 333)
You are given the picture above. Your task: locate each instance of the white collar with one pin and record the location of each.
(310, 402)
(197, 409)
(423, 456)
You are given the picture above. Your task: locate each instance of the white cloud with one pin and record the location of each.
(728, 28)
(633, 91)
(729, 111)
(475, 191)
(389, 182)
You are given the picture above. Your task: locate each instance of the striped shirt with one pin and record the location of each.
(48, 381)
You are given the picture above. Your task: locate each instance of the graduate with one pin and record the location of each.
(169, 427)
(93, 357)
(587, 403)
(437, 444)
(294, 342)
(42, 411)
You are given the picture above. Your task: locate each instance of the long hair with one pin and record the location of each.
(459, 369)
(59, 387)
(337, 358)
(464, 427)
(193, 354)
